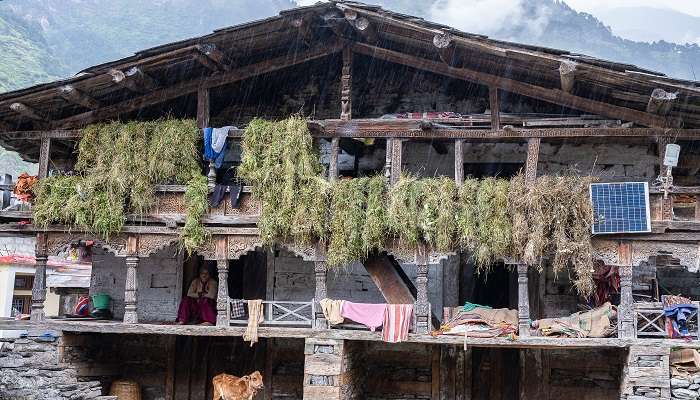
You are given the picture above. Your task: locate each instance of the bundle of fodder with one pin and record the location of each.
(118, 166)
(494, 227)
(279, 161)
(552, 218)
(358, 219)
(423, 210)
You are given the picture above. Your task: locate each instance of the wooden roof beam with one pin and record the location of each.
(183, 88)
(335, 21)
(75, 96)
(445, 46)
(550, 95)
(303, 27)
(567, 73)
(661, 101)
(362, 26)
(212, 58)
(134, 79)
(26, 111)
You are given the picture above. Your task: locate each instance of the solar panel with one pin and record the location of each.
(620, 207)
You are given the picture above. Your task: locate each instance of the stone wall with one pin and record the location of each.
(32, 368)
(685, 387)
(159, 283)
(646, 373)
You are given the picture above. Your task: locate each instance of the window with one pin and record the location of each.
(20, 304)
(24, 282)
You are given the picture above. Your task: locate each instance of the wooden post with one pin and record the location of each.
(666, 201)
(333, 163)
(131, 286)
(625, 311)
(39, 286)
(44, 157)
(346, 85)
(533, 154)
(495, 108)
(459, 162)
(321, 291)
(387, 161)
(222, 305)
(203, 110)
(422, 306)
(396, 154)
(523, 302)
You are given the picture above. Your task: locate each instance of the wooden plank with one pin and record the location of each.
(323, 364)
(435, 373)
(393, 287)
(555, 96)
(321, 392)
(170, 368)
(75, 96)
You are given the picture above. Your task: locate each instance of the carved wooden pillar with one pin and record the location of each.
(346, 86)
(459, 162)
(222, 311)
(203, 122)
(625, 313)
(533, 154)
(333, 163)
(396, 154)
(523, 302)
(39, 286)
(387, 161)
(44, 157)
(131, 286)
(422, 306)
(222, 304)
(321, 292)
(666, 200)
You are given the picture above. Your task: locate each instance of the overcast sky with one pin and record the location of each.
(691, 7)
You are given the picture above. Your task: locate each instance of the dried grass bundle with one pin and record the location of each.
(467, 216)
(280, 162)
(119, 164)
(193, 234)
(404, 210)
(552, 217)
(438, 212)
(374, 231)
(495, 225)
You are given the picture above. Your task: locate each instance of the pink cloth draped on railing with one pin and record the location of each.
(370, 315)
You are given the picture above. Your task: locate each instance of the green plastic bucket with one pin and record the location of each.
(101, 301)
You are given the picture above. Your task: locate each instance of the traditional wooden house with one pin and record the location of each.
(423, 98)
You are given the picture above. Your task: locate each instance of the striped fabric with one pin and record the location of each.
(397, 322)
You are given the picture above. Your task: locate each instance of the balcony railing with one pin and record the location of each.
(649, 321)
(284, 313)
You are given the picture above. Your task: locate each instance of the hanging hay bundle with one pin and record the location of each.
(467, 218)
(358, 219)
(437, 217)
(280, 162)
(374, 231)
(404, 210)
(552, 218)
(423, 210)
(348, 202)
(119, 165)
(197, 204)
(495, 226)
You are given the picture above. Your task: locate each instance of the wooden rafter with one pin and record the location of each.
(75, 96)
(171, 92)
(661, 101)
(445, 46)
(555, 96)
(29, 112)
(567, 73)
(134, 79)
(211, 57)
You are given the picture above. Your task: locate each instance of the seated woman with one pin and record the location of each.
(199, 306)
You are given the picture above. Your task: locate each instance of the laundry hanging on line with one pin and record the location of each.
(215, 144)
